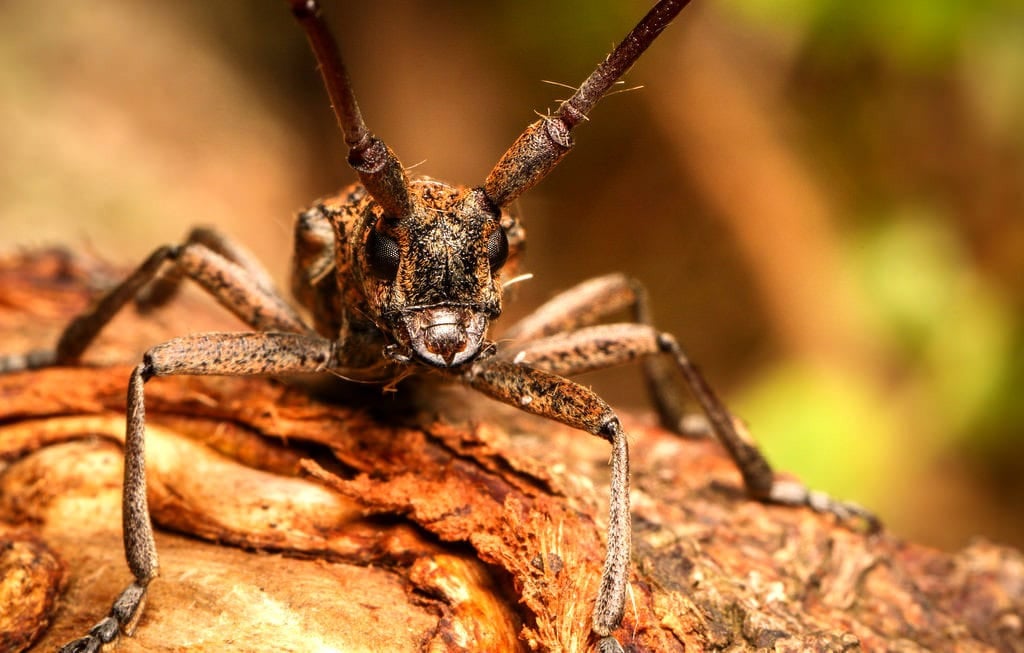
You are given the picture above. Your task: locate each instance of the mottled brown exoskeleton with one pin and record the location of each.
(403, 275)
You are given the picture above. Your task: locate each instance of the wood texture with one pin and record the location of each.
(435, 520)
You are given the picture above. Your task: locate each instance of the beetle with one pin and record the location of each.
(403, 275)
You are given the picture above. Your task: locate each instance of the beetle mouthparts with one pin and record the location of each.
(445, 335)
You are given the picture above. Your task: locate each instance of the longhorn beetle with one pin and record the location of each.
(403, 274)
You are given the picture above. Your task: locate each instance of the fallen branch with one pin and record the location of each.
(446, 522)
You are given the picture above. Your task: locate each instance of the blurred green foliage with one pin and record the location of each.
(912, 33)
(947, 316)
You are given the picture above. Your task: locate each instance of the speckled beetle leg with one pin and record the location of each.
(232, 354)
(603, 346)
(548, 395)
(595, 300)
(230, 284)
(166, 285)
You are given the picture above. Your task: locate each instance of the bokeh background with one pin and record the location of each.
(825, 198)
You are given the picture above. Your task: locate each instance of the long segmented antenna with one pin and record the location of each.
(539, 149)
(378, 168)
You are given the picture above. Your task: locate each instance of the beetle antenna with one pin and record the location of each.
(378, 168)
(539, 149)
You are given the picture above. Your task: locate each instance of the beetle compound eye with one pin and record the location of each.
(497, 248)
(383, 254)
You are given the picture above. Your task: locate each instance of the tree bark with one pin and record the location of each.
(288, 522)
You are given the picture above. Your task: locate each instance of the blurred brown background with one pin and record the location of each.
(825, 198)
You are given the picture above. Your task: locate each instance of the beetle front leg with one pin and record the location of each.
(230, 354)
(548, 395)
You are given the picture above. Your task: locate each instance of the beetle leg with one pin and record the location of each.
(603, 346)
(593, 301)
(166, 285)
(546, 394)
(228, 282)
(233, 354)
(584, 304)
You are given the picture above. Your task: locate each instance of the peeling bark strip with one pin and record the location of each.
(31, 580)
(472, 535)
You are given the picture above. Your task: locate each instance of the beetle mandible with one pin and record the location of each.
(404, 274)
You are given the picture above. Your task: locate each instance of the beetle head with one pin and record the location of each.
(432, 278)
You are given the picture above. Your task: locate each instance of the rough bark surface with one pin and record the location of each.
(289, 523)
